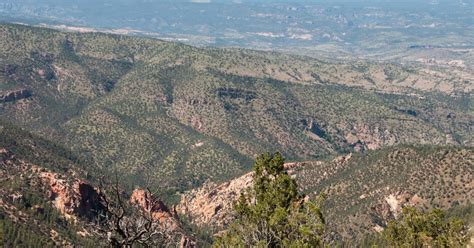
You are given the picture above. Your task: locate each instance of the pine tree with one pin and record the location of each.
(430, 229)
(273, 213)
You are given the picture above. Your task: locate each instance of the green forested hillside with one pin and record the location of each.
(361, 188)
(362, 192)
(183, 115)
(28, 217)
(366, 190)
(35, 149)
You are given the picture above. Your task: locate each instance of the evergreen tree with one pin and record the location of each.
(273, 213)
(430, 229)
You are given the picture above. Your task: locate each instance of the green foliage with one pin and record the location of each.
(15, 235)
(184, 115)
(202, 233)
(38, 150)
(274, 214)
(39, 217)
(439, 175)
(430, 229)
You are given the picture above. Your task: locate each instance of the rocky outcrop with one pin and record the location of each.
(73, 198)
(313, 128)
(398, 201)
(391, 208)
(212, 203)
(157, 209)
(159, 212)
(14, 95)
(364, 137)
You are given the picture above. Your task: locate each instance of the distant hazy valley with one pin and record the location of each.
(358, 28)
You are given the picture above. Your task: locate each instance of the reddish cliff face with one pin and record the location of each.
(145, 200)
(74, 197)
(160, 212)
(212, 203)
(157, 209)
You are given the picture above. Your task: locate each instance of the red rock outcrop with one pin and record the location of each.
(212, 203)
(161, 213)
(76, 198)
(158, 210)
(72, 198)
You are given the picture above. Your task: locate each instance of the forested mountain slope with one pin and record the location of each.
(363, 191)
(183, 115)
(33, 197)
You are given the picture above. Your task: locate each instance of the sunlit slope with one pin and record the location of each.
(183, 115)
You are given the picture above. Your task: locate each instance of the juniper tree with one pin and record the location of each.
(273, 213)
(429, 229)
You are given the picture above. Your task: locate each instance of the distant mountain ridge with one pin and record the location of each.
(355, 27)
(185, 115)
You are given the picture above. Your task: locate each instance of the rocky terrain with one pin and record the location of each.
(58, 205)
(76, 201)
(211, 204)
(364, 191)
(43, 203)
(51, 196)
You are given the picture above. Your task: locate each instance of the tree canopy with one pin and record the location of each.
(426, 229)
(273, 213)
